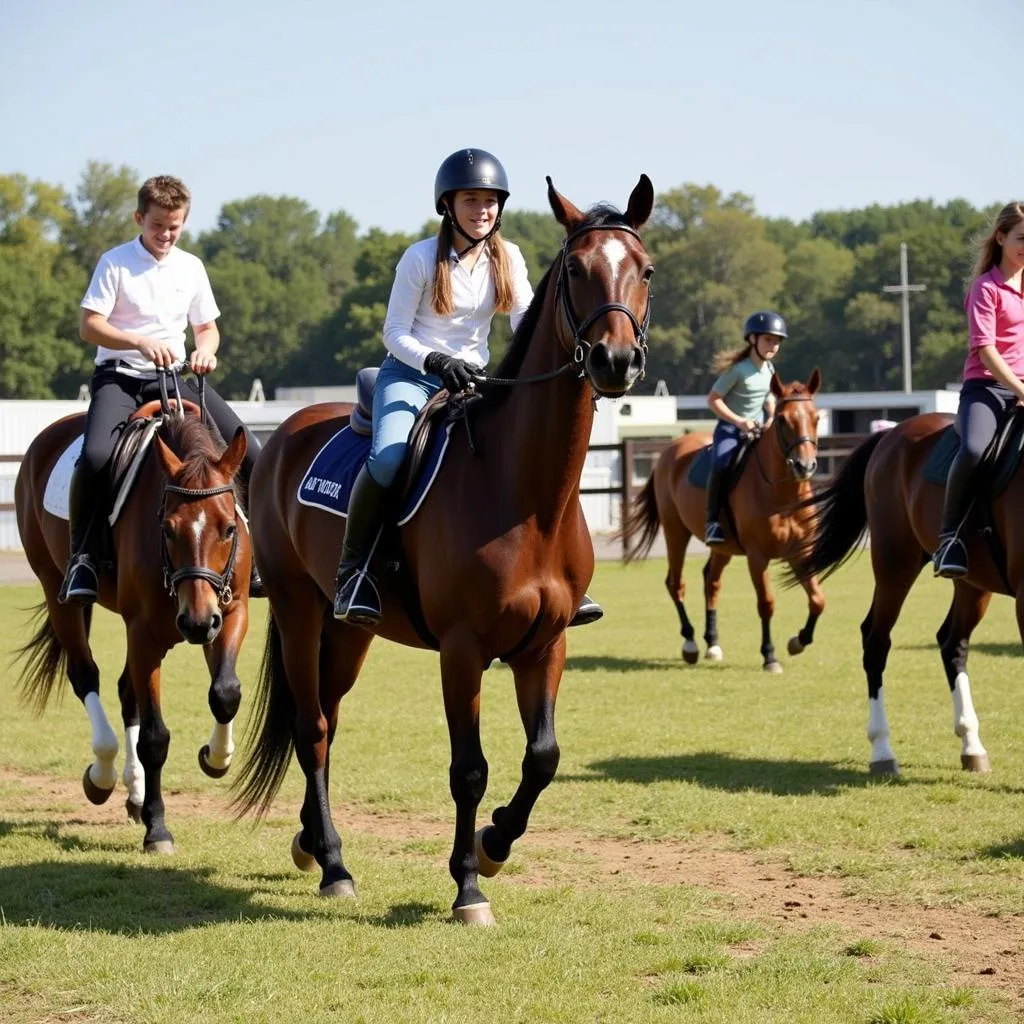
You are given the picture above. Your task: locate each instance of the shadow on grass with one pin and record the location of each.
(615, 663)
(996, 650)
(712, 770)
(1002, 851)
(406, 915)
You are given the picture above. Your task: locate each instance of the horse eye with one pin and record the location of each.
(167, 531)
(648, 274)
(230, 530)
(572, 268)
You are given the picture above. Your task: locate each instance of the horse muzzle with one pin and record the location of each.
(614, 369)
(803, 470)
(199, 629)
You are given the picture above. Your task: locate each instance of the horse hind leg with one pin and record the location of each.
(965, 612)
(677, 538)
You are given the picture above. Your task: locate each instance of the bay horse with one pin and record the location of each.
(182, 558)
(499, 551)
(884, 491)
(762, 522)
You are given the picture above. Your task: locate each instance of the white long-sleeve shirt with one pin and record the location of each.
(412, 330)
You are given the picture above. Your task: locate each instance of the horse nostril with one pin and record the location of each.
(636, 360)
(215, 622)
(181, 622)
(813, 467)
(599, 358)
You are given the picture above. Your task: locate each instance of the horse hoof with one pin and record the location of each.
(975, 763)
(159, 846)
(93, 793)
(773, 667)
(134, 811)
(713, 653)
(344, 888)
(795, 646)
(302, 860)
(477, 914)
(488, 868)
(886, 767)
(691, 652)
(208, 769)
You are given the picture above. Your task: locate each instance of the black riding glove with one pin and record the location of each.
(455, 374)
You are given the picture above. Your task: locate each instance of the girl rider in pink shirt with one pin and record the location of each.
(993, 384)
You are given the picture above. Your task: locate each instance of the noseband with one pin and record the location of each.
(582, 347)
(221, 582)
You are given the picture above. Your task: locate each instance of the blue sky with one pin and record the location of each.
(352, 105)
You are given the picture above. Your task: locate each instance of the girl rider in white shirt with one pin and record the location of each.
(445, 294)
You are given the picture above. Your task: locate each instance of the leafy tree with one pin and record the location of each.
(102, 213)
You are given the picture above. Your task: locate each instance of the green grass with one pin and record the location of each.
(720, 755)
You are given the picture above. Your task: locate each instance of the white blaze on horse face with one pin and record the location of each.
(199, 525)
(614, 252)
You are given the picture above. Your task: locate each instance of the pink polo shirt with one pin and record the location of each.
(995, 316)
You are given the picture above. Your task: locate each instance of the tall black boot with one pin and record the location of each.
(81, 578)
(950, 558)
(357, 599)
(713, 533)
(256, 587)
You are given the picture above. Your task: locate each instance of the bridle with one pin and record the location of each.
(220, 581)
(582, 347)
(782, 428)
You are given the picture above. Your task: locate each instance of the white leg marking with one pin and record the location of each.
(614, 252)
(221, 746)
(965, 721)
(713, 653)
(134, 775)
(878, 730)
(104, 744)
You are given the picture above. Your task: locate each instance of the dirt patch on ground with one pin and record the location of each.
(982, 950)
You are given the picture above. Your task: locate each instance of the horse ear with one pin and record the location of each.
(169, 462)
(569, 216)
(641, 202)
(232, 457)
(776, 385)
(814, 381)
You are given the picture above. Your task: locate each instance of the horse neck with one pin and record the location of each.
(544, 429)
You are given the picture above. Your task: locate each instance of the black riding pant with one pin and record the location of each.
(984, 407)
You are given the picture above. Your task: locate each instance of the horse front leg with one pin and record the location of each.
(145, 654)
(954, 636)
(713, 569)
(461, 674)
(225, 693)
(815, 606)
(758, 566)
(537, 676)
(677, 537)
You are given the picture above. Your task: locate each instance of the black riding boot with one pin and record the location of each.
(81, 578)
(950, 558)
(357, 599)
(256, 587)
(713, 533)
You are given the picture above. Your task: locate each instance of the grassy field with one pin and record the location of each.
(711, 850)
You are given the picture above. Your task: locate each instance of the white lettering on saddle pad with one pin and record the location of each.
(55, 497)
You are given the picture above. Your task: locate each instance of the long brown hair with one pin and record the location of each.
(723, 360)
(990, 252)
(501, 271)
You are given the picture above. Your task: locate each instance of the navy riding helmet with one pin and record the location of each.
(470, 168)
(764, 322)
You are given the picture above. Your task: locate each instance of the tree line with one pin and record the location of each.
(303, 295)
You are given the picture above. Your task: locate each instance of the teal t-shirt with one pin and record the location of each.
(744, 388)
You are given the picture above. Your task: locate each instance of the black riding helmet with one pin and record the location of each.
(764, 322)
(470, 168)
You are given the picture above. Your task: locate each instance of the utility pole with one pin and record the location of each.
(905, 288)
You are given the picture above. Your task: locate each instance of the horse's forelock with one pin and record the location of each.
(198, 446)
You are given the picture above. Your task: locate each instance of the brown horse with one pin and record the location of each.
(499, 553)
(882, 489)
(761, 522)
(182, 560)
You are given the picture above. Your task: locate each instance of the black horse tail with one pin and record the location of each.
(642, 516)
(839, 520)
(269, 735)
(45, 660)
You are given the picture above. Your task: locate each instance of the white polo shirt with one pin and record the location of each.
(412, 330)
(155, 298)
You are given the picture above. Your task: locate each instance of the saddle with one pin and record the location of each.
(700, 469)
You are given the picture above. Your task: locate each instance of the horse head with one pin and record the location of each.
(200, 528)
(603, 286)
(796, 424)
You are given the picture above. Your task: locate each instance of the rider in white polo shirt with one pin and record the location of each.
(142, 297)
